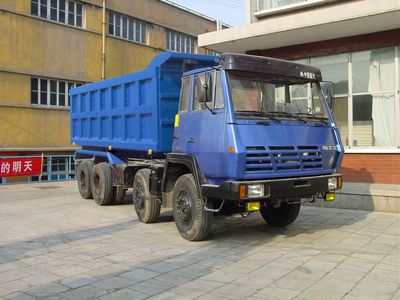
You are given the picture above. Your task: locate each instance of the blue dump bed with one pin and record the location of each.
(135, 111)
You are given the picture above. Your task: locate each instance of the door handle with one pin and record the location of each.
(190, 140)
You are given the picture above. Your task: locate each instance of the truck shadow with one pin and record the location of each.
(235, 244)
(15, 251)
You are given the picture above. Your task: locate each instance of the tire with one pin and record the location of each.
(146, 205)
(192, 221)
(102, 184)
(84, 174)
(118, 195)
(281, 216)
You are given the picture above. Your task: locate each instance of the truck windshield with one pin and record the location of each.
(255, 97)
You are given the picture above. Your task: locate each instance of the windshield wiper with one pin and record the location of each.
(256, 114)
(323, 120)
(286, 114)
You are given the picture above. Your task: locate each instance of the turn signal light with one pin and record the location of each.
(339, 182)
(242, 191)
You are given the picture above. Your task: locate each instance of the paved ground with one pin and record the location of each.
(55, 245)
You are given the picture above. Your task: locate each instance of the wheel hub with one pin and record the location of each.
(184, 208)
(139, 196)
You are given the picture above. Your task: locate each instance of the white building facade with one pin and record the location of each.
(356, 44)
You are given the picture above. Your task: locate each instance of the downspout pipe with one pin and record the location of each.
(103, 45)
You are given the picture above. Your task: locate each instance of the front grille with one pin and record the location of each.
(282, 158)
(257, 159)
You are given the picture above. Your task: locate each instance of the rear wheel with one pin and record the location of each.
(102, 184)
(84, 174)
(146, 205)
(118, 194)
(281, 216)
(192, 221)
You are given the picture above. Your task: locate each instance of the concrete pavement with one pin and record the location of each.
(55, 245)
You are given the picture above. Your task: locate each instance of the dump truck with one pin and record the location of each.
(207, 135)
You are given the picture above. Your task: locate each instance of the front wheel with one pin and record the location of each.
(281, 216)
(192, 221)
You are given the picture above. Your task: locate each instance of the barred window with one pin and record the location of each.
(63, 11)
(127, 28)
(51, 92)
(180, 42)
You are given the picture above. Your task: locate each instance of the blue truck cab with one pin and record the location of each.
(206, 135)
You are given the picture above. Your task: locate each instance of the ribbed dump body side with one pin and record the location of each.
(134, 111)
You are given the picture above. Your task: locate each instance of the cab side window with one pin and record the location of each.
(218, 94)
(215, 94)
(185, 95)
(198, 88)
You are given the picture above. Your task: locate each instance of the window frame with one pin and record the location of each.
(45, 9)
(180, 42)
(350, 148)
(44, 87)
(263, 12)
(214, 74)
(135, 30)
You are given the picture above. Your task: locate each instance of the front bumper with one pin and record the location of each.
(285, 188)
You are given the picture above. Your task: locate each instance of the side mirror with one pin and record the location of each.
(328, 89)
(205, 92)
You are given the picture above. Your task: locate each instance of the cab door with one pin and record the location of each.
(204, 124)
(179, 143)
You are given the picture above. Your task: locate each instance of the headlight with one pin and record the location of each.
(255, 190)
(332, 183)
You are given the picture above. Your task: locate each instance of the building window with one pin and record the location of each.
(180, 42)
(62, 11)
(127, 28)
(51, 92)
(365, 95)
(56, 168)
(271, 4)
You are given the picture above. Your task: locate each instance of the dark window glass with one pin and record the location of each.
(143, 39)
(117, 25)
(43, 91)
(111, 23)
(78, 21)
(61, 99)
(53, 10)
(34, 7)
(61, 93)
(34, 91)
(61, 165)
(53, 92)
(130, 29)
(70, 86)
(43, 8)
(362, 108)
(79, 14)
(124, 27)
(71, 13)
(138, 29)
(61, 11)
